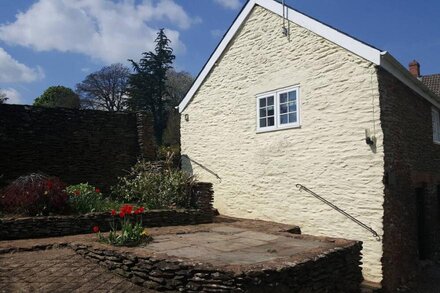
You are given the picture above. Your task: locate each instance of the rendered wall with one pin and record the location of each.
(328, 154)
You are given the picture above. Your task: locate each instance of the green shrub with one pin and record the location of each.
(34, 195)
(156, 185)
(85, 198)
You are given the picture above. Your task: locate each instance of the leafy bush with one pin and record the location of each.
(170, 154)
(34, 194)
(156, 185)
(85, 198)
(132, 231)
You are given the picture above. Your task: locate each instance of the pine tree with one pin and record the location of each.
(147, 85)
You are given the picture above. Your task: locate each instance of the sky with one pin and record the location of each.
(59, 42)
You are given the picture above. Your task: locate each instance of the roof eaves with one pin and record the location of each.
(389, 63)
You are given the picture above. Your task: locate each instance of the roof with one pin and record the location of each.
(432, 82)
(366, 51)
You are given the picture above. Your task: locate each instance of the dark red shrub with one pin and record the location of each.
(34, 194)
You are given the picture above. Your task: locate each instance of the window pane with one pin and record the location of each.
(292, 117)
(283, 108)
(292, 96)
(263, 122)
(263, 112)
(283, 119)
(292, 106)
(270, 101)
(270, 110)
(283, 98)
(262, 102)
(270, 121)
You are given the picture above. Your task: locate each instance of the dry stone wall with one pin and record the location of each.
(54, 226)
(76, 145)
(335, 271)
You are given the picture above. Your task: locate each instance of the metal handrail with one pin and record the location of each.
(302, 187)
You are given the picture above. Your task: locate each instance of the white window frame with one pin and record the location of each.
(435, 125)
(276, 94)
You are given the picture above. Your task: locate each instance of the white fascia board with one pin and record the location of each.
(363, 50)
(390, 64)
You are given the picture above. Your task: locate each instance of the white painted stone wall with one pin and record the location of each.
(328, 153)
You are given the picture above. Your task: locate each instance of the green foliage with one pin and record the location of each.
(3, 97)
(105, 89)
(132, 231)
(147, 86)
(170, 154)
(58, 97)
(155, 186)
(85, 198)
(34, 195)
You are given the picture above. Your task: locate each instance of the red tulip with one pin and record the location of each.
(96, 229)
(121, 214)
(49, 184)
(97, 190)
(113, 213)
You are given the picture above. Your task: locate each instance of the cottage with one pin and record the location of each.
(286, 100)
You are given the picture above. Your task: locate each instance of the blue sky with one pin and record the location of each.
(59, 42)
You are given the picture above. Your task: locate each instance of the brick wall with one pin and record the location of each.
(78, 146)
(412, 161)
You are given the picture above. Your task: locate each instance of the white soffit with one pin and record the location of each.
(357, 47)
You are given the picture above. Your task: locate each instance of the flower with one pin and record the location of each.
(49, 184)
(139, 210)
(97, 190)
(77, 192)
(113, 213)
(95, 229)
(145, 232)
(127, 209)
(121, 214)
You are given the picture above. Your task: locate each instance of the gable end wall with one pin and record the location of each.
(328, 153)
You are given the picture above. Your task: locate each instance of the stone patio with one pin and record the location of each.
(230, 255)
(226, 245)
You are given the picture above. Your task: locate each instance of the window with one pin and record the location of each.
(435, 125)
(278, 109)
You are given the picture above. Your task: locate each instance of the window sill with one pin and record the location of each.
(279, 129)
(437, 142)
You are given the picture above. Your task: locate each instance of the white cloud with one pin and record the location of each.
(13, 71)
(230, 4)
(217, 33)
(14, 97)
(102, 29)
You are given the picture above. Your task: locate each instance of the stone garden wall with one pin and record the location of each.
(337, 270)
(54, 226)
(75, 145)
